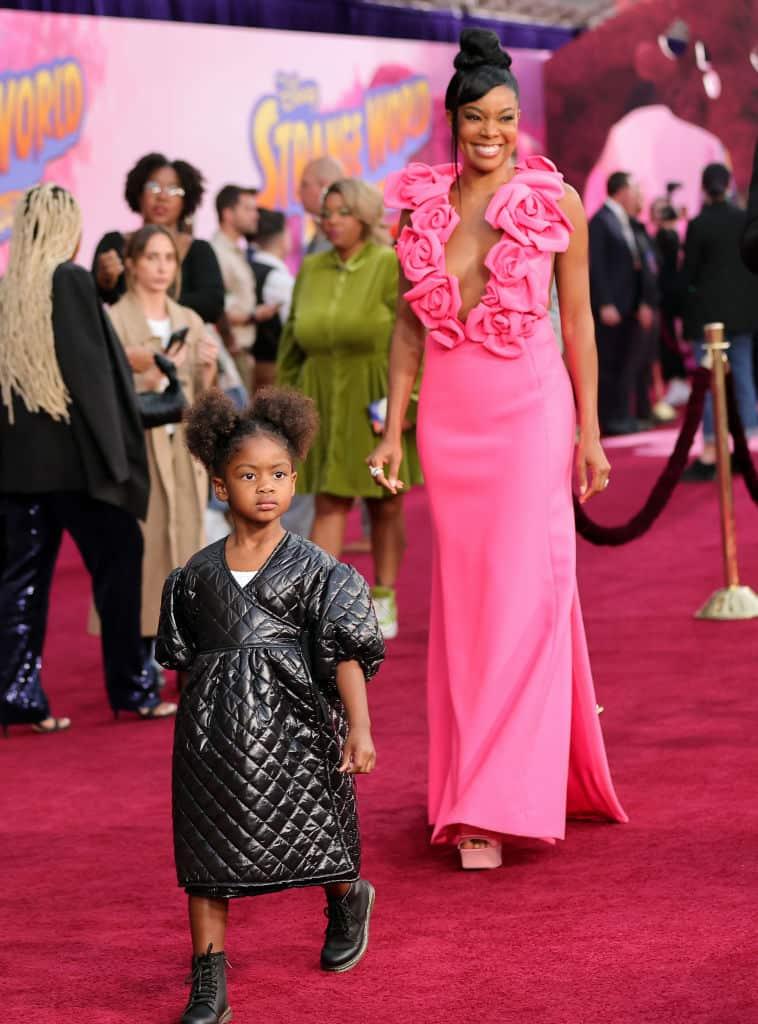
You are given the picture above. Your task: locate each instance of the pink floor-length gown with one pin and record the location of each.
(515, 742)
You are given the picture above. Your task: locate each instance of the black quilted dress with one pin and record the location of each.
(258, 803)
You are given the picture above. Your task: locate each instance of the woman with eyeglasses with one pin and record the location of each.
(335, 349)
(165, 192)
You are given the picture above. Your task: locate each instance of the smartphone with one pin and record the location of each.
(176, 340)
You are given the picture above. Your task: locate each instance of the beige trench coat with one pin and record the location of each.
(174, 528)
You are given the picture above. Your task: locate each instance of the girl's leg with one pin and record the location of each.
(207, 919)
(329, 525)
(387, 538)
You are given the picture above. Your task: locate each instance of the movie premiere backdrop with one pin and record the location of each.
(82, 98)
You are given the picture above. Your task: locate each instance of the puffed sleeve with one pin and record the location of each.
(347, 629)
(173, 648)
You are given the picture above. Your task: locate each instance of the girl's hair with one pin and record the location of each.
(47, 227)
(480, 65)
(189, 177)
(138, 242)
(366, 204)
(215, 427)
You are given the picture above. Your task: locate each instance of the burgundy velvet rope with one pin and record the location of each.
(666, 482)
(742, 458)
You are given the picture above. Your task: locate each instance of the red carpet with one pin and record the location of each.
(650, 922)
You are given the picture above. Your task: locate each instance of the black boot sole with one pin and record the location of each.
(364, 944)
(226, 1016)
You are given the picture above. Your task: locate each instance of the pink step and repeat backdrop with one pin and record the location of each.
(81, 98)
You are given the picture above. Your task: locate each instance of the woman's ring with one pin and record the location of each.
(606, 482)
(375, 471)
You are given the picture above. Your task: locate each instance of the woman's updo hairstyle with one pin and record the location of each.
(215, 427)
(480, 65)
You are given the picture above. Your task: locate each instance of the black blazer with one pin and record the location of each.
(101, 450)
(750, 234)
(719, 288)
(614, 281)
(202, 284)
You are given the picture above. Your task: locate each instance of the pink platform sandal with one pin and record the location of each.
(481, 857)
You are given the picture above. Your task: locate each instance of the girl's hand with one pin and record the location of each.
(358, 754)
(387, 452)
(592, 468)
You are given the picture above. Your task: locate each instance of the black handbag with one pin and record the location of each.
(159, 408)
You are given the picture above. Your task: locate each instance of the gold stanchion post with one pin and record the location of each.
(732, 601)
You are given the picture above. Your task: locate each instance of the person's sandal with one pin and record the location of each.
(166, 709)
(57, 725)
(477, 858)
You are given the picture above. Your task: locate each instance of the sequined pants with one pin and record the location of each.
(110, 542)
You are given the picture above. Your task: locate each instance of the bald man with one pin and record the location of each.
(318, 175)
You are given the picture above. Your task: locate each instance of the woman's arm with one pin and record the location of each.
(406, 351)
(578, 328)
(108, 267)
(290, 356)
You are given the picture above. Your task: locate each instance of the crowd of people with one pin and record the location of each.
(653, 290)
(185, 387)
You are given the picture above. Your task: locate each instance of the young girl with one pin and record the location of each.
(279, 640)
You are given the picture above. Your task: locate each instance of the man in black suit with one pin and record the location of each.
(623, 293)
(720, 289)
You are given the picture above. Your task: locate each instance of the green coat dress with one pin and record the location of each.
(335, 349)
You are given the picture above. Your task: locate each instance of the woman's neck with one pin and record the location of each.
(153, 304)
(346, 254)
(250, 544)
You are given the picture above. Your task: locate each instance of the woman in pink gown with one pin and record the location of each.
(515, 742)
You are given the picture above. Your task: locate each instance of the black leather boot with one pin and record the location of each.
(347, 932)
(207, 1002)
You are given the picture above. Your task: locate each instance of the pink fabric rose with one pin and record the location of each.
(420, 253)
(500, 331)
(435, 299)
(436, 215)
(529, 216)
(416, 183)
(516, 273)
(449, 333)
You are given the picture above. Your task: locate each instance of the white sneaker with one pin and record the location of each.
(678, 392)
(385, 605)
(663, 412)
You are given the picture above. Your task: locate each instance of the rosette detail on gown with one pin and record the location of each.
(515, 741)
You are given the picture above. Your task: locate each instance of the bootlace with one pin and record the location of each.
(340, 917)
(204, 980)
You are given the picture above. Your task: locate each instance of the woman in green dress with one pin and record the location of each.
(335, 349)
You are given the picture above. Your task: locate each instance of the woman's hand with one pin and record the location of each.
(140, 359)
(109, 269)
(390, 453)
(592, 468)
(358, 754)
(207, 351)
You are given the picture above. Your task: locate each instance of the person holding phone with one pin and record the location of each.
(148, 321)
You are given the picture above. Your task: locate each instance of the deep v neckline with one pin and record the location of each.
(462, 321)
(258, 572)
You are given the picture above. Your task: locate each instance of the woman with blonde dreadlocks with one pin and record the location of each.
(72, 457)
